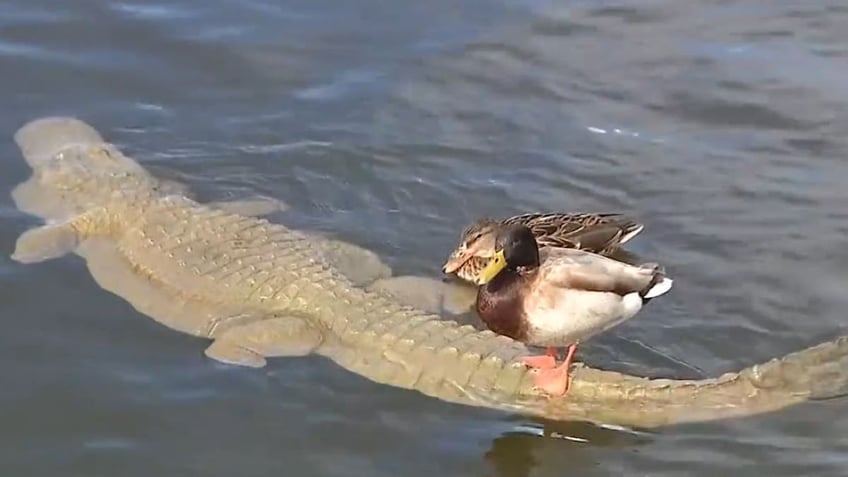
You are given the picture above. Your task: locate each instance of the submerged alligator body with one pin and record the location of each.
(259, 290)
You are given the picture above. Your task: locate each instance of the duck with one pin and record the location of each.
(569, 298)
(602, 233)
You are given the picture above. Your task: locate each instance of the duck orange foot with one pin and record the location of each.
(555, 380)
(544, 361)
(552, 381)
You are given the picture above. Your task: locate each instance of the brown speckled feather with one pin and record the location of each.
(601, 233)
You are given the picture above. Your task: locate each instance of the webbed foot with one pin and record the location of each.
(552, 381)
(556, 380)
(544, 361)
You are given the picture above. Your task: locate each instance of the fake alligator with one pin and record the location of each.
(260, 290)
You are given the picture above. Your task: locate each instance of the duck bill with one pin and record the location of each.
(496, 264)
(456, 260)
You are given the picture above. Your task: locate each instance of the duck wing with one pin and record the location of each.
(595, 232)
(580, 270)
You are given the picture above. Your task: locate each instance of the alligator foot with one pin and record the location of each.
(253, 207)
(46, 242)
(544, 361)
(249, 344)
(555, 381)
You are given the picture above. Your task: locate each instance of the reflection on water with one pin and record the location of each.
(554, 448)
(720, 125)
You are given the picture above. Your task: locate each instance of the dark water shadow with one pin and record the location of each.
(558, 446)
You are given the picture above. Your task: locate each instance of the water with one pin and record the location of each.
(721, 125)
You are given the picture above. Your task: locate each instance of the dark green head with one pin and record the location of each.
(515, 250)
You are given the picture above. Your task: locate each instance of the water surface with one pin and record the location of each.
(721, 125)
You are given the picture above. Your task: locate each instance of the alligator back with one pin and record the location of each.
(259, 290)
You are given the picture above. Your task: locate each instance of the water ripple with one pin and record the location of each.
(720, 125)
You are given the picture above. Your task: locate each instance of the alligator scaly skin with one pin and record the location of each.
(259, 289)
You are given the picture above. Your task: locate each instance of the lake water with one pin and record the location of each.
(721, 125)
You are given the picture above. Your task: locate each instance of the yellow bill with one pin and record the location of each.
(496, 264)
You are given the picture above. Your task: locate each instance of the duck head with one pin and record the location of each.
(515, 249)
(477, 240)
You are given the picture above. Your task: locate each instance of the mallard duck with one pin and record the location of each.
(570, 297)
(601, 233)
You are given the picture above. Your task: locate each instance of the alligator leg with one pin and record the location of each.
(428, 294)
(250, 344)
(252, 207)
(360, 265)
(51, 241)
(556, 381)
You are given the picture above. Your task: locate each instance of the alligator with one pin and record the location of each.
(258, 289)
